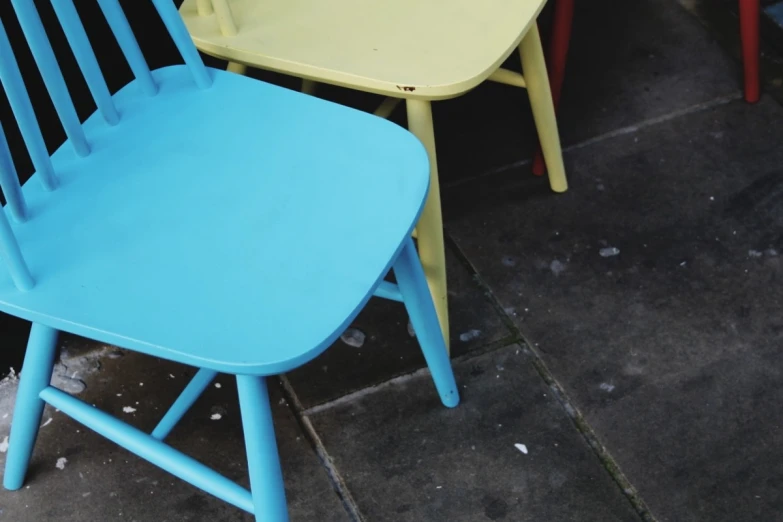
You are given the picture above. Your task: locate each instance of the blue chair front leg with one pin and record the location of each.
(263, 462)
(421, 310)
(28, 409)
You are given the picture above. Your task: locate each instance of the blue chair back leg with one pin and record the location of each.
(421, 310)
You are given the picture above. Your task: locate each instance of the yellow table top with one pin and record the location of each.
(430, 49)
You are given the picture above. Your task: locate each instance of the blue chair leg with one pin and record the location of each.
(263, 462)
(421, 310)
(186, 399)
(36, 376)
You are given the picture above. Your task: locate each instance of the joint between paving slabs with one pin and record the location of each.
(335, 477)
(578, 420)
(775, 91)
(302, 417)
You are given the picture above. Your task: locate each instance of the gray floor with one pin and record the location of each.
(625, 332)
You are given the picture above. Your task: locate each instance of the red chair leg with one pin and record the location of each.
(749, 31)
(556, 62)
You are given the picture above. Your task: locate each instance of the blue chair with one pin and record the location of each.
(200, 216)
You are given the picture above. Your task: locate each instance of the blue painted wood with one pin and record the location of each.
(187, 398)
(36, 374)
(150, 449)
(12, 255)
(421, 310)
(266, 477)
(387, 290)
(15, 91)
(9, 182)
(130, 47)
(42, 51)
(16, 206)
(171, 19)
(85, 57)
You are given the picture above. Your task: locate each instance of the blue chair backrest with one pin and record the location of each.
(19, 99)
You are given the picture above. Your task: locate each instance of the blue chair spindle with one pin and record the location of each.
(130, 47)
(85, 57)
(9, 250)
(9, 182)
(179, 33)
(187, 398)
(11, 79)
(150, 449)
(9, 247)
(42, 51)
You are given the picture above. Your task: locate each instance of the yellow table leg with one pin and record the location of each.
(238, 68)
(387, 106)
(429, 230)
(537, 80)
(309, 87)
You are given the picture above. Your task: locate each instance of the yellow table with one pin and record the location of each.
(416, 50)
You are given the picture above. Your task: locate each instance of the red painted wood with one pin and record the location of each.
(749, 32)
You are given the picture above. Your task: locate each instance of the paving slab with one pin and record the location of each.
(659, 266)
(385, 348)
(406, 457)
(711, 438)
(634, 61)
(77, 475)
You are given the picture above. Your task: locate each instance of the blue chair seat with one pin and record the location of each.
(314, 202)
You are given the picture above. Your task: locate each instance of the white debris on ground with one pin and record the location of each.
(521, 447)
(11, 376)
(61, 463)
(469, 335)
(353, 337)
(216, 416)
(411, 331)
(609, 251)
(557, 267)
(4, 445)
(754, 253)
(218, 385)
(129, 409)
(48, 421)
(605, 386)
(75, 364)
(8, 387)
